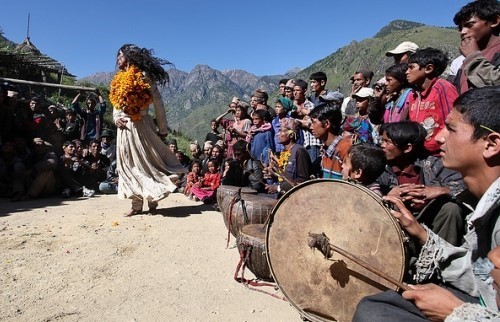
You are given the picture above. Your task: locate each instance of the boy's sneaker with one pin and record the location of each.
(66, 193)
(88, 192)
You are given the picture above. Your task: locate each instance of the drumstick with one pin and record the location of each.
(276, 173)
(322, 243)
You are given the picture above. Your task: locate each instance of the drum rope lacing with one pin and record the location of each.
(245, 253)
(234, 200)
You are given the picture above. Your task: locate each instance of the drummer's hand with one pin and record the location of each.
(121, 123)
(271, 188)
(434, 301)
(419, 194)
(407, 220)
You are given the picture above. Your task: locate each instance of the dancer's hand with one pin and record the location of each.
(121, 123)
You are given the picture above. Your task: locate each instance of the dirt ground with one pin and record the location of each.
(81, 260)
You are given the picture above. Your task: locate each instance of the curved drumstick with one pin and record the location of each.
(322, 243)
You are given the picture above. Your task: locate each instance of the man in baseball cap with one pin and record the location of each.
(402, 52)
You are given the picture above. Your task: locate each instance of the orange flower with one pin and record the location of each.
(130, 92)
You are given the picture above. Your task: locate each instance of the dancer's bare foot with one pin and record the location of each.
(131, 212)
(152, 210)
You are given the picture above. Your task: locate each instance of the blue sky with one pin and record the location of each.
(262, 37)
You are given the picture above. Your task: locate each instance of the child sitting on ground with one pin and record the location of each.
(364, 164)
(206, 189)
(192, 178)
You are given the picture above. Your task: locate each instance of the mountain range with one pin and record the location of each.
(194, 98)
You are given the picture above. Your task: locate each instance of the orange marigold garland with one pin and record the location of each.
(130, 92)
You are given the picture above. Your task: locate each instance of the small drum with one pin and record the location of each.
(227, 191)
(249, 209)
(355, 220)
(252, 241)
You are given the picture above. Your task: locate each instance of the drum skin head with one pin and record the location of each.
(354, 219)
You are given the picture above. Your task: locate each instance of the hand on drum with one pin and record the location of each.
(271, 188)
(417, 196)
(434, 301)
(407, 220)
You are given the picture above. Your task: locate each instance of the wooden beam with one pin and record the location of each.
(20, 81)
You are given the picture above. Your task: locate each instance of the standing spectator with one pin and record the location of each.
(326, 120)
(402, 52)
(290, 84)
(433, 98)
(214, 135)
(92, 116)
(283, 107)
(479, 25)
(260, 137)
(358, 125)
(391, 106)
(282, 84)
(361, 78)
(234, 129)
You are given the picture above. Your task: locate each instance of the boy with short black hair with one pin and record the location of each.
(364, 164)
(433, 98)
(479, 24)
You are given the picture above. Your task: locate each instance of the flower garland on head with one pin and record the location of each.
(130, 92)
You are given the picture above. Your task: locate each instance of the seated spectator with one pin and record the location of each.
(364, 164)
(418, 179)
(70, 126)
(12, 171)
(110, 185)
(71, 174)
(183, 159)
(193, 177)
(206, 189)
(172, 145)
(108, 148)
(217, 154)
(95, 166)
(40, 176)
(293, 166)
(244, 171)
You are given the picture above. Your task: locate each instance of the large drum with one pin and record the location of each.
(228, 192)
(245, 210)
(355, 220)
(252, 243)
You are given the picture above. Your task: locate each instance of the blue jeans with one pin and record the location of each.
(108, 188)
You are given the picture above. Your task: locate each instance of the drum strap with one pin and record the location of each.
(234, 200)
(245, 250)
